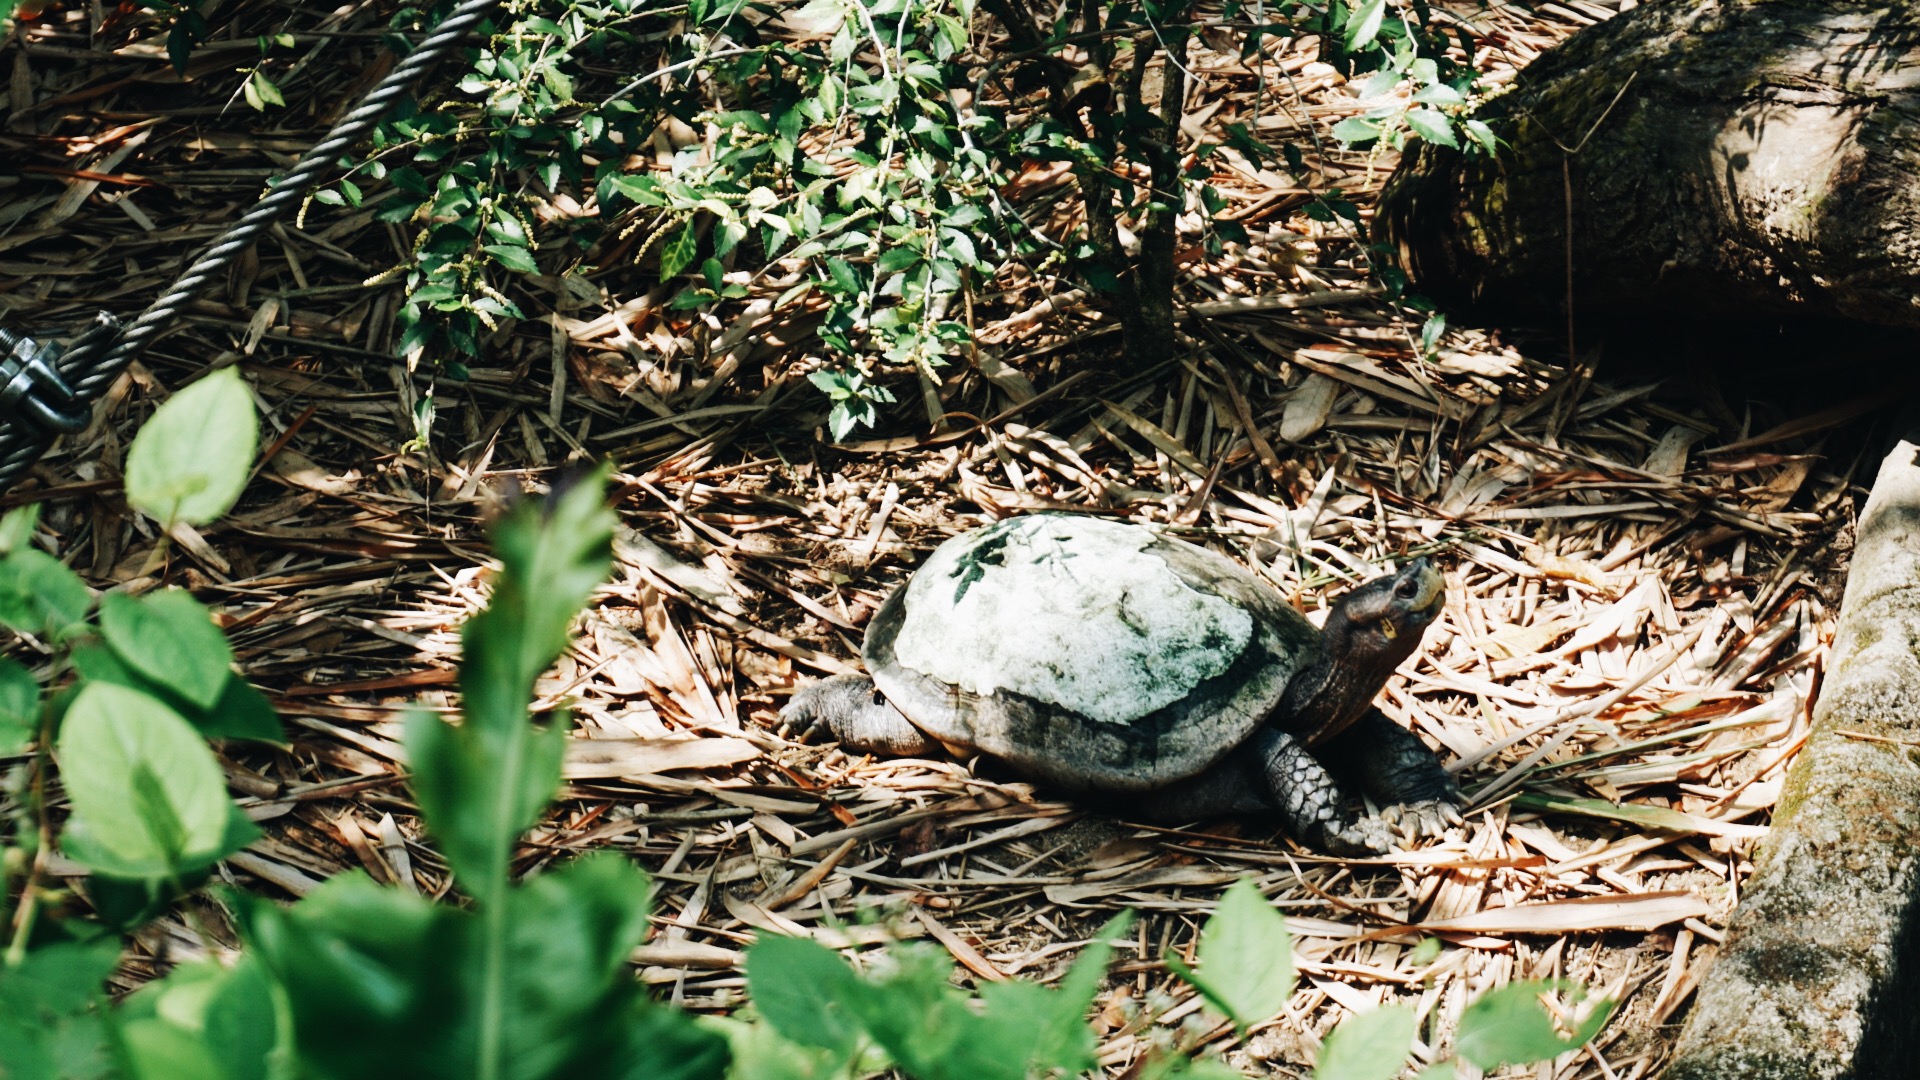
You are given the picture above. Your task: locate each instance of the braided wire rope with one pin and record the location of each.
(91, 371)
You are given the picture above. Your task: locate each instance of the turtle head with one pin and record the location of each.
(1387, 615)
(1367, 634)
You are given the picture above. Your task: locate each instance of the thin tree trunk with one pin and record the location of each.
(1149, 320)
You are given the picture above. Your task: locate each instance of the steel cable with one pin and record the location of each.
(91, 371)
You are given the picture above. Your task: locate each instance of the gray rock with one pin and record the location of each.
(1821, 968)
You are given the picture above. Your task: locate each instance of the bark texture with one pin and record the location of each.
(1821, 966)
(1763, 160)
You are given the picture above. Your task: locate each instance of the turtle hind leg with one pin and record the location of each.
(1398, 770)
(1273, 772)
(853, 711)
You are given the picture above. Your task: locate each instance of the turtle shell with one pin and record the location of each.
(1087, 653)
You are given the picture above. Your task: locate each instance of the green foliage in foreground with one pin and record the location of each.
(527, 979)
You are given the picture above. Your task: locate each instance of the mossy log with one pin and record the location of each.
(1749, 158)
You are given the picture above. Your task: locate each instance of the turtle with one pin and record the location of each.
(1109, 661)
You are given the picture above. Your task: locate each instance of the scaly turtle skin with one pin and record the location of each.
(1107, 660)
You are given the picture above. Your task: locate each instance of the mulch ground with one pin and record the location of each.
(1642, 572)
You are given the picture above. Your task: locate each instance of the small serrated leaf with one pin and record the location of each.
(1432, 125)
(515, 258)
(1480, 133)
(1363, 24)
(678, 252)
(1356, 129)
(1440, 94)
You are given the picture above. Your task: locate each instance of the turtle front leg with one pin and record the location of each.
(1310, 801)
(1272, 772)
(858, 716)
(1398, 770)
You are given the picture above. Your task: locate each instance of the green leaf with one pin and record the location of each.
(191, 459)
(1440, 94)
(665, 1044)
(19, 706)
(565, 987)
(60, 977)
(1029, 1027)
(148, 797)
(1646, 817)
(241, 712)
(479, 791)
(1426, 952)
(727, 236)
(1433, 126)
(1082, 981)
(1369, 1046)
(897, 259)
(847, 415)
(50, 1028)
(40, 596)
(844, 277)
(805, 991)
(180, 41)
(515, 258)
(156, 1050)
(678, 252)
(760, 1052)
(16, 528)
(353, 956)
(240, 1020)
(1480, 133)
(1356, 129)
(1511, 1025)
(169, 637)
(542, 991)
(1245, 955)
(481, 783)
(1430, 334)
(260, 92)
(911, 1010)
(129, 903)
(835, 384)
(1016, 1030)
(1363, 24)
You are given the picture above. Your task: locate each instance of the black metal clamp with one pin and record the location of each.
(31, 385)
(53, 388)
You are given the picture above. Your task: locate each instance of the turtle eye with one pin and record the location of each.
(1407, 589)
